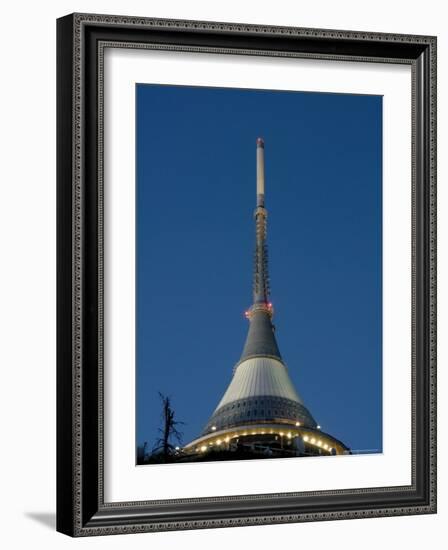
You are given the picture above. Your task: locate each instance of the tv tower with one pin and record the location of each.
(261, 414)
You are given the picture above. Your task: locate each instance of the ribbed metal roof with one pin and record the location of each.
(260, 391)
(260, 376)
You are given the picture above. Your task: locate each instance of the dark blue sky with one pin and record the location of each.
(195, 242)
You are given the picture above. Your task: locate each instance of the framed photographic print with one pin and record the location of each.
(246, 274)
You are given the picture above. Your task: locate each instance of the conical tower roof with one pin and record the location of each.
(261, 390)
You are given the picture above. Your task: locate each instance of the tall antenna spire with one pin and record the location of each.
(261, 275)
(260, 340)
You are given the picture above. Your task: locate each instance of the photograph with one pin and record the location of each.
(258, 274)
(246, 274)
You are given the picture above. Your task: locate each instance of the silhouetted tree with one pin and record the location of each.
(168, 431)
(141, 453)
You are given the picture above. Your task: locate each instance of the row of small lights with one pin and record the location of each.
(297, 424)
(306, 438)
(318, 443)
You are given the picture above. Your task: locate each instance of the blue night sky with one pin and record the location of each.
(195, 242)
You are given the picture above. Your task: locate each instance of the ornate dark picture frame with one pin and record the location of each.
(81, 509)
